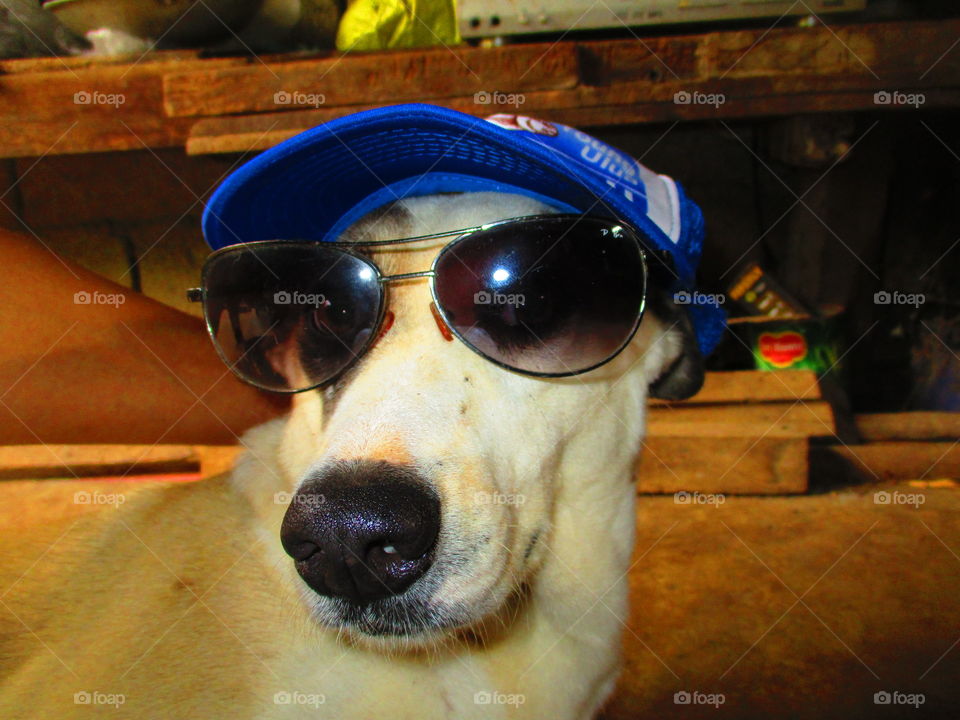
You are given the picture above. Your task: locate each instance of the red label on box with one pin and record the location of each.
(783, 349)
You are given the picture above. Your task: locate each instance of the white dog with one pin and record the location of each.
(182, 603)
(438, 529)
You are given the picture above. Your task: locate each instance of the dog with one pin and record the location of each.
(438, 528)
(183, 602)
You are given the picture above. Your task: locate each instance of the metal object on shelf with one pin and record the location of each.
(487, 18)
(177, 22)
(26, 30)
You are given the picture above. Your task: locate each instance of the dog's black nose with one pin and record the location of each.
(362, 531)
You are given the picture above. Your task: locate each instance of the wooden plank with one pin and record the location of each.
(909, 426)
(706, 587)
(48, 461)
(12, 207)
(810, 101)
(608, 72)
(373, 78)
(885, 461)
(44, 113)
(38, 114)
(614, 62)
(67, 461)
(737, 386)
(592, 83)
(875, 49)
(727, 465)
(629, 106)
(775, 420)
(217, 459)
(76, 63)
(757, 72)
(852, 49)
(33, 139)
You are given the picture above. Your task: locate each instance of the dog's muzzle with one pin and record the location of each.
(362, 531)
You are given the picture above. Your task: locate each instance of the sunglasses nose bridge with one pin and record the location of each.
(442, 325)
(384, 279)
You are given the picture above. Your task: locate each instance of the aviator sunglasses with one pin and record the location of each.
(547, 296)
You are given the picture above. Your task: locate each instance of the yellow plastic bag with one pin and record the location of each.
(383, 24)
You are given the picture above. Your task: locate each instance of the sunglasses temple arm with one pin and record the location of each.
(194, 294)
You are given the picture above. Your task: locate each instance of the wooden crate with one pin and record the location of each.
(744, 432)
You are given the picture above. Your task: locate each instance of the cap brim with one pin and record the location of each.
(302, 188)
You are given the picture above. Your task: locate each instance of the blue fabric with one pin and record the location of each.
(317, 183)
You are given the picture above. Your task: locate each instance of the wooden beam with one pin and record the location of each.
(583, 83)
(371, 78)
(784, 71)
(747, 63)
(67, 461)
(775, 420)
(727, 465)
(909, 426)
(244, 133)
(70, 461)
(739, 386)
(40, 113)
(885, 461)
(218, 459)
(713, 607)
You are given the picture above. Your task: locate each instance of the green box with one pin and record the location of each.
(797, 343)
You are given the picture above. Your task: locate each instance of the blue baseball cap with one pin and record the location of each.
(316, 184)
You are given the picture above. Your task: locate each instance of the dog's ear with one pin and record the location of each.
(682, 376)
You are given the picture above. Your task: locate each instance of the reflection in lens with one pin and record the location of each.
(555, 295)
(288, 316)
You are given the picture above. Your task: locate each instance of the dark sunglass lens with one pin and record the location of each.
(552, 296)
(290, 316)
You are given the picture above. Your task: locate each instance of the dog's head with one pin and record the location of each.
(425, 481)
(430, 487)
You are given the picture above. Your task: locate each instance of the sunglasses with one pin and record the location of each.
(547, 296)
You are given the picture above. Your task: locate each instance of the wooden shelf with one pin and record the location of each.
(224, 105)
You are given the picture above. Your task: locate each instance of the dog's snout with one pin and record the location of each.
(362, 531)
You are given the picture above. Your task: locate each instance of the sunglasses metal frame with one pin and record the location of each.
(198, 294)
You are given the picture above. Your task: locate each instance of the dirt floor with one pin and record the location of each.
(783, 607)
